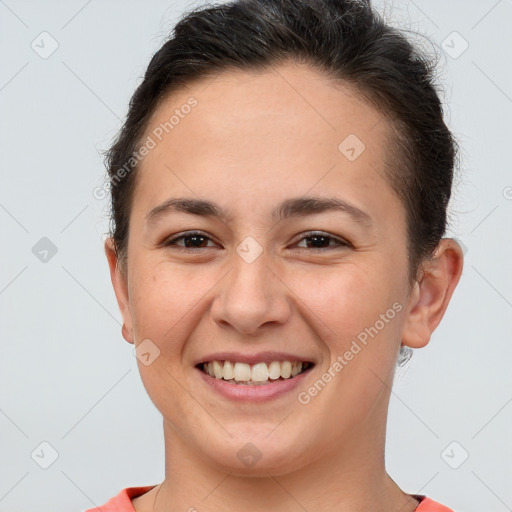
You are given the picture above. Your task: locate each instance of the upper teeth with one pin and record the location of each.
(259, 372)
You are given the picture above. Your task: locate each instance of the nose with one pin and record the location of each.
(251, 296)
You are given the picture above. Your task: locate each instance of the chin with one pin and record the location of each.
(253, 452)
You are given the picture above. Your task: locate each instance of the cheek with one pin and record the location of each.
(358, 307)
(347, 298)
(162, 297)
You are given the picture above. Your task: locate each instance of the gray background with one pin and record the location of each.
(68, 378)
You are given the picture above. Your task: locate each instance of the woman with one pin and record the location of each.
(279, 194)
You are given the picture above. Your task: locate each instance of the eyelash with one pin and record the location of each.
(310, 234)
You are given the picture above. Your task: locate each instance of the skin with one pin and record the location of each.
(253, 140)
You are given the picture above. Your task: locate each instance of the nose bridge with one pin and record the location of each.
(251, 295)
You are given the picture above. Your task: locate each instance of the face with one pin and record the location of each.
(298, 255)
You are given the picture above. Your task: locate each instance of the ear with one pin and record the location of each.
(432, 293)
(118, 276)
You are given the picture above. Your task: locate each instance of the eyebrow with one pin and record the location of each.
(293, 207)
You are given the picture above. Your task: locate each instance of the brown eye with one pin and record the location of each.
(192, 240)
(319, 240)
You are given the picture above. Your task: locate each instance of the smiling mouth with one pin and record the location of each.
(254, 374)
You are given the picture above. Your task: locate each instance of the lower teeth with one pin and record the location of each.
(251, 382)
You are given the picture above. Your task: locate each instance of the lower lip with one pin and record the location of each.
(257, 393)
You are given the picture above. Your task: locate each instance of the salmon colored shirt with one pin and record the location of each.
(122, 502)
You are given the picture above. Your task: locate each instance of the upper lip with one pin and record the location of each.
(260, 357)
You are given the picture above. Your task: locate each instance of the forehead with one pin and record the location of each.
(288, 128)
(292, 100)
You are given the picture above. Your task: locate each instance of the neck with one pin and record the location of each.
(346, 478)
